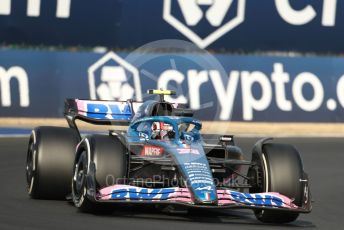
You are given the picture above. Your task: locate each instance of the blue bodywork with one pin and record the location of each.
(186, 148)
(164, 135)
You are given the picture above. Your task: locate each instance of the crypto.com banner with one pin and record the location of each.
(249, 25)
(239, 88)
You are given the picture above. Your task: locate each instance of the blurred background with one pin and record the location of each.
(257, 67)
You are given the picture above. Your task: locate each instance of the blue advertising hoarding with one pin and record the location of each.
(219, 87)
(235, 25)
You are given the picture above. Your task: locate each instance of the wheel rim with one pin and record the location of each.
(79, 178)
(266, 174)
(30, 166)
(265, 188)
(263, 185)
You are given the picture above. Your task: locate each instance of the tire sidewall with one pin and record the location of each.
(50, 154)
(276, 216)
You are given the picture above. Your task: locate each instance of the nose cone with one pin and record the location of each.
(193, 164)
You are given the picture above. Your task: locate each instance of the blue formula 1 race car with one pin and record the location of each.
(164, 160)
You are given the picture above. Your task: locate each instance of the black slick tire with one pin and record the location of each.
(49, 162)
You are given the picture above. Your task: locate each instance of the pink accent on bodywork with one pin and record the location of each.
(179, 195)
(224, 197)
(185, 196)
(81, 107)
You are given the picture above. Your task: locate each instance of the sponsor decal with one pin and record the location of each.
(134, 193)
(282, 88)
(199, 174)
(203, 188)
(218, 15)
(215, 16)
(152, 151)
(188, 137)
(6, 76)
(105, 110)
(143, 136)
(272, 89)
(307, 13)
(228, 24)
(33, 8)
(257, 199)
(188, 151)
(113, 78)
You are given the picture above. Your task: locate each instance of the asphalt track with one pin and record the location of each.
(323, 160)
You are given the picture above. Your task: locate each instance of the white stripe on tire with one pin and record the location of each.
(266, 177)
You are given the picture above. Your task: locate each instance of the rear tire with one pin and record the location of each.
(49, 162)
(282, 169)
(108, 156)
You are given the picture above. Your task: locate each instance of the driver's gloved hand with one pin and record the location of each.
(171, 134)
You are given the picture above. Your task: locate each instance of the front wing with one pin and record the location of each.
(182, 196)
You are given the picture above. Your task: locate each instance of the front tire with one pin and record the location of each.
(107, 156)
(79, 184)
(281, 168)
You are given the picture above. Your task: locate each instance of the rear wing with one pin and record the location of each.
(100, 112)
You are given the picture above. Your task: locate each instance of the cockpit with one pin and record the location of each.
(162, 128)
(161, 120)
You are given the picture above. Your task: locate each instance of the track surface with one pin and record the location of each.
(323, 160)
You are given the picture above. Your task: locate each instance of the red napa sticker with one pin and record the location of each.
(152, 151)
